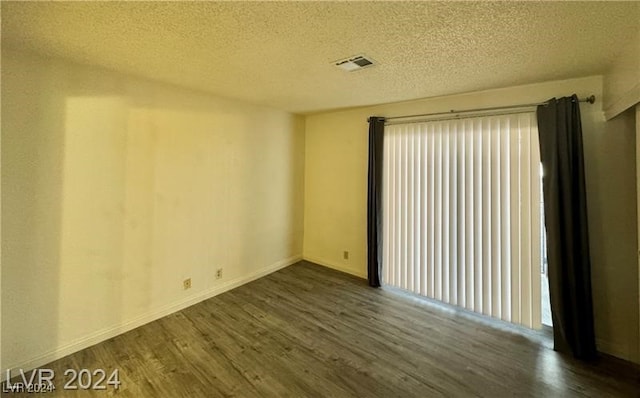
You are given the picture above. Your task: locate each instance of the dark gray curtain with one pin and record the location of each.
(374, 201)
(565, 210)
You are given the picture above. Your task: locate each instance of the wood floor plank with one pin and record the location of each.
(308, 331)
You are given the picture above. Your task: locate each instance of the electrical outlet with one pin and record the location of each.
(219, 273)
(186, 284)
(345, 255)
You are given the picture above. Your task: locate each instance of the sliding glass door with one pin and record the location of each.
(462, 222)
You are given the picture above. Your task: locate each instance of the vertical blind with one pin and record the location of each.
(461, 213)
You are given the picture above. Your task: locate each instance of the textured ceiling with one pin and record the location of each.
(279, 53)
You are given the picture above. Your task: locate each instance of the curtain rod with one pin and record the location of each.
(590, 99)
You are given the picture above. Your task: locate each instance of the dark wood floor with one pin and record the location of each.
(307, 331)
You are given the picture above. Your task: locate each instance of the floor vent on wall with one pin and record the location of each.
(354, 63)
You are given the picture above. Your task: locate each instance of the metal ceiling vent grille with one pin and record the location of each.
(355, 63)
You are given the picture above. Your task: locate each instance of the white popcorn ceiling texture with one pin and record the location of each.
(280, 53)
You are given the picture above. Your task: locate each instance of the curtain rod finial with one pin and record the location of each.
(591, 99)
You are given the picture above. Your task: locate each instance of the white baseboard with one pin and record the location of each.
(105, 334)
(337, 267)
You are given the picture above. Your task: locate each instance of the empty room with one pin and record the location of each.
(320, 199)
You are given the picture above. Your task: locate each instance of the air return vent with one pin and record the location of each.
(355, 63)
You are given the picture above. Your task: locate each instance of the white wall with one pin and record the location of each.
(116, 189)
(336, 189)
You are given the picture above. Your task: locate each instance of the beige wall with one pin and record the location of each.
(622, 79)
(116, 189)
(610, 163)
(621, 93)
(638, 211)
(335, 194)
(1, 367)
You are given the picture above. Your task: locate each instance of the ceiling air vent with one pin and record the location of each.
(354, 63)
